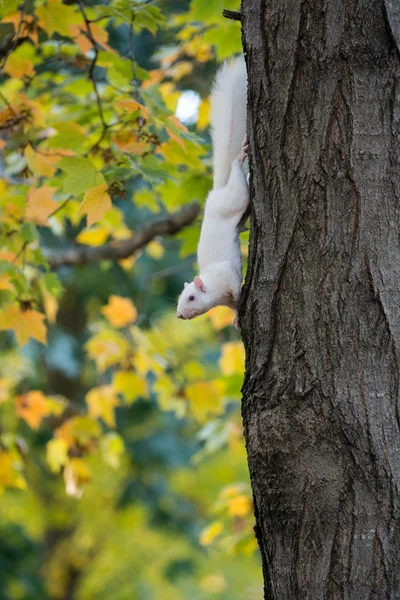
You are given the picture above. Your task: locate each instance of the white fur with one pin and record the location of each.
(218, 252)
(228, 117)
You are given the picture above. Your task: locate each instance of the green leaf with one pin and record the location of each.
(112, 447)
(8, 6)
(150, 169)
(80, 175)
(28, 232)
(52, 283)
(55, 17)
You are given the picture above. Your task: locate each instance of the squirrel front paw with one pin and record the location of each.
(235, 321)
(244, 151)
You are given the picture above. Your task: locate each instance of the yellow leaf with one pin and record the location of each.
(213, 584)
(76, 472)
(170, 95)
(205, 398)
(167, 397)
(155, 249)
(5, 389)
(232, 359)
(176, 137)
(18, 67)
(25, 323)
(5, 282)
(100, 35)
(80, 38)
(177, 123)
(56, 454)
(210, 532)
(180, 70)
(96, 202)
(204, 115)
(40, 204)
(129, 384)
(239, 506)
(127, 263)
(41, 163)
(7, 115)
(33, 407)
(131, 106)
(107, 348)
(128, 142)
(95, 236)
(119, 311)
(221, 316)
(82, 430)
(144, 363)
(101, 402)
(50, 305)
(9, 475)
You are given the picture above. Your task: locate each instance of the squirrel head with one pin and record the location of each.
(194, 300)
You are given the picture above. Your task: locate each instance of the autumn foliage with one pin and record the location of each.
(121, 435)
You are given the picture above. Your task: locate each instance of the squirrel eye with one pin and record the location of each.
(191, 298)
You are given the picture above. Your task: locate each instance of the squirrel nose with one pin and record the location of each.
(180, 316)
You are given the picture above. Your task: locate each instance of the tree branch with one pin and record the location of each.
(80, 255)
(232, 14)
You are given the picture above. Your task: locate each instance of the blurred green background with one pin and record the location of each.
(123, 471)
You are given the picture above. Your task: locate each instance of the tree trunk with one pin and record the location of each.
(320, 310)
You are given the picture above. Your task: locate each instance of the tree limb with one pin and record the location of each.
(232, 14)
(80, 255)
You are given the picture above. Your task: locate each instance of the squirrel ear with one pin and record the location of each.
(185, 284)
(198, 282)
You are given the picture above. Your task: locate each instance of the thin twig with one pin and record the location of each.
(91, 70)
(16, 42)
(135, 81)
(6, 102)
(60, 207)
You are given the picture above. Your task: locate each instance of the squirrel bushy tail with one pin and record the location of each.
(228, 117)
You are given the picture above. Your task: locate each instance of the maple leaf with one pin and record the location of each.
(41, 163)
(96, 202)
(25, 324)
(80, 175)
(33, 407)
(40, 204)
(119, 311)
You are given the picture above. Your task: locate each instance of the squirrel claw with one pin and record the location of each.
(244, 151)
(235, 322)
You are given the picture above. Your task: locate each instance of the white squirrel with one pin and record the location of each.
(218, 252)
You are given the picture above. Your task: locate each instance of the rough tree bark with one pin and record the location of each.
(320, 310)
